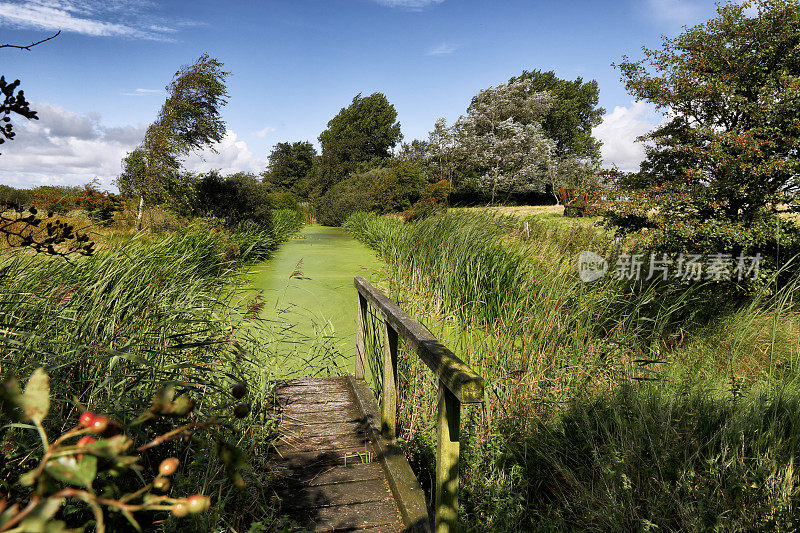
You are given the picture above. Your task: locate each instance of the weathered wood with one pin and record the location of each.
(361, 355)
(409, 496)
(389, 383)
(330, 470)
(349, 517)
(448, 428)
(459, 378)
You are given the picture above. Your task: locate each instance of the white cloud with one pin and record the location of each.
(619, 131)
(414, 5)
(65, 148)
(232, 156)
(111, 18)
(263, 132)
(442, 49)
(146, 92)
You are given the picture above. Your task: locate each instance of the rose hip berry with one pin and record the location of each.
(83, 441)
(239, 390)
(241, 410)
(161, 483)
(86, 419)
(99, 423)
(198, 503)
(180, 509)
(168, 466)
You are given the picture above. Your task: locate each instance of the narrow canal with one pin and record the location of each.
(310, 302)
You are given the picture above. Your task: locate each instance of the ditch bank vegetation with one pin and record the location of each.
(112, 329)
(609, 406)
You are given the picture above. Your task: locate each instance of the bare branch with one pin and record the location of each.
(28, 47)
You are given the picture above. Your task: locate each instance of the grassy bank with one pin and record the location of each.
(113, 328)
(610, 406)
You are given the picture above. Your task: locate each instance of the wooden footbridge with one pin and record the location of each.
(342, 470)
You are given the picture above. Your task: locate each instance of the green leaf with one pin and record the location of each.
(109, 448)
(36, 398)
(73, 471)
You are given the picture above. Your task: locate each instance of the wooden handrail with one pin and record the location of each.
(454, 373)
(458, 384)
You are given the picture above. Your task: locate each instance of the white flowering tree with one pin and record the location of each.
(500, 139)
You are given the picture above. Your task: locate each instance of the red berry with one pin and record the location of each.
(168, 466)
(239, 390)
(198, 503)
(99, 423)
(180, 509)
(86, 419)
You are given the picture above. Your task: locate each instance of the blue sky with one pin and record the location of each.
(295, 63)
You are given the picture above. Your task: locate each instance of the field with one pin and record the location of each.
(611, 405)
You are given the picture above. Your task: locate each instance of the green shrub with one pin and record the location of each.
(234, 199)
(398, 188)
(347, 197)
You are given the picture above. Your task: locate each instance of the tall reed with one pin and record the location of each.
(602, 397)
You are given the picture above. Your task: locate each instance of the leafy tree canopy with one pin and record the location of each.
(572, 115)
(290, 164)
(360, 135)
(731, 90)
(189, 119)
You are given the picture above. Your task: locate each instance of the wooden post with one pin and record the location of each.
(361, 354)
(389, 383)
(448, 425)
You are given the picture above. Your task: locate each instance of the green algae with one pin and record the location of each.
(309, 310)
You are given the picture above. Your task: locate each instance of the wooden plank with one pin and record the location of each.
(322, 416)
(409, 496)
(314, 459)
(452, 371)
(337, 474)
(288, 444)
(349, 517)
(333, 494)
(319, 430)
(313, 397)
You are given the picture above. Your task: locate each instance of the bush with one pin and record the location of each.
(57, 199)
(398, 189)
(99, 205)
(347, 197)
(234, 199)
(433, 199)
(673, 219)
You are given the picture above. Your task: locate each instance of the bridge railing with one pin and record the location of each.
(458, 384)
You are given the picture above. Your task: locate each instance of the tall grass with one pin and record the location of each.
(610, 406)
(113, 328)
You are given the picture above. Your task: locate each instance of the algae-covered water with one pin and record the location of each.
(310, 302)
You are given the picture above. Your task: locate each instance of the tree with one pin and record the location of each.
(731, 87)
(360, 135)
(571, 116)
(290, 164)
(189, 119)
(502, 138)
